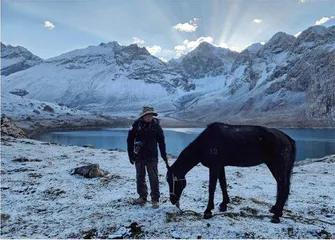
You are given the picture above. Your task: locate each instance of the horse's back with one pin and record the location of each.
(248, 145)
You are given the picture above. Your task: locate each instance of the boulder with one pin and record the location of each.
(9, 128)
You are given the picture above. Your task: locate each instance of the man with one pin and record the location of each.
(142, 141)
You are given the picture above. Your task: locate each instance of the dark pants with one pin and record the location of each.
(152, 170)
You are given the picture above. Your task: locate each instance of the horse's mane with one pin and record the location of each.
(194, 146)
(204, 133)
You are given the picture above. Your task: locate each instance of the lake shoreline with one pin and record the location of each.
(311, 143)
(126, 123)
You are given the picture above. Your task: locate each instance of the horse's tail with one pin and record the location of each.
(294, 151)
(292, 159)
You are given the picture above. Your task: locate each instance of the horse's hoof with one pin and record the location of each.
(223, 207)
(275, 220)
(208, 215)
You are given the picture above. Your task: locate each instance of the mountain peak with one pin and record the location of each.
(253, 48)
(313, 33)
(110, 44)
(314, 36)
(279, 42)
(205, 45)
(134, 48)
(14, 59)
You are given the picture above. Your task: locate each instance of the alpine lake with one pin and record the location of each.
(311, 143)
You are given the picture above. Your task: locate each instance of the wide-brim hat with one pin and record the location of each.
(148, 110)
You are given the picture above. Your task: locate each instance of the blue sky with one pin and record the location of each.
(166, 28)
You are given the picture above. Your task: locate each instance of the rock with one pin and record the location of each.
(47, 108)
(90, 171)
(92, 233)
(19, 92)
(24, 159)
(9, 128)
(89, 146)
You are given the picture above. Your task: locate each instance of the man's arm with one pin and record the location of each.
(130, 144)
(161, 143)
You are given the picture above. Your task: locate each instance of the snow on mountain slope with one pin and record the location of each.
(108, 74)
(287, 81)
(207, 61)
(14, 59)
(277, 84)
(35, 116)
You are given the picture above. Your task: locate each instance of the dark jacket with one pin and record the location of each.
(146, 136)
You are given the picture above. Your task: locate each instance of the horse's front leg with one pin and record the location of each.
(213, 177)
(223, 184)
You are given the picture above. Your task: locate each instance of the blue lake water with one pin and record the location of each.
(311, 143)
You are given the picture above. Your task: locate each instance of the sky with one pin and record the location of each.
(167, 28)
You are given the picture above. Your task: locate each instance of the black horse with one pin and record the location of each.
(221, 145)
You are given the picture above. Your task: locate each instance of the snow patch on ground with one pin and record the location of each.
(41, 199)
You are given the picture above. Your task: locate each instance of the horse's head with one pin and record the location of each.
(176, 186)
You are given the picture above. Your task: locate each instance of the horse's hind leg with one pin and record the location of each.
(271, 168)
(282, 179)
(223, 184)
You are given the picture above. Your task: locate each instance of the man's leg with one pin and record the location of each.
(142, 189)
(153, 178)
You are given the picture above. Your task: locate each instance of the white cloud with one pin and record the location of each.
(195, 21)
(163, 59)
(154, 49)
(185, 27)
(303, 1)
(193, 44)
(223, 45)
(233, 48)
(191, 26)
(180, 50)
(168, 51)
(138, 41)
(49, 25)
(324, 20)
(258, 21)
(190, 45)
(237, 49)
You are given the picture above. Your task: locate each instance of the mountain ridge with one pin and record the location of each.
(283, 74)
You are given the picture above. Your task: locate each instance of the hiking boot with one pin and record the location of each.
(155, 204)
(140, 201)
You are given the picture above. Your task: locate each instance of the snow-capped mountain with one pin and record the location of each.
(287, 81)
(110, 75)
(14, 59)
(206, 61)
